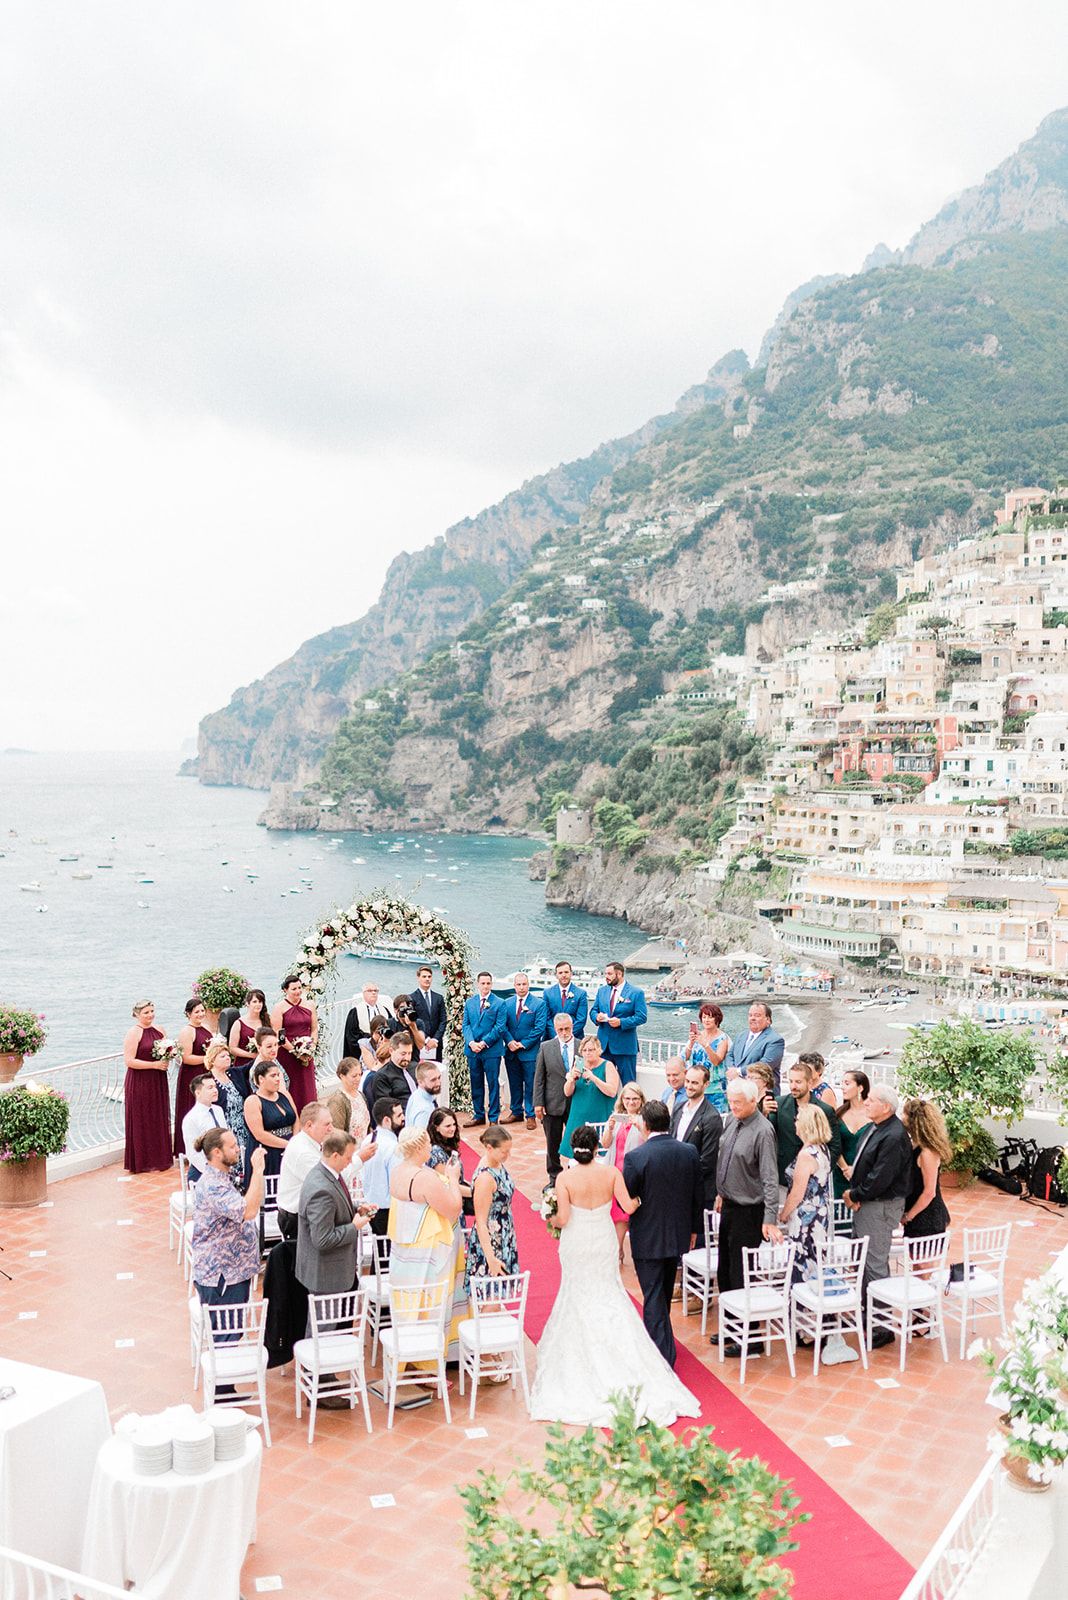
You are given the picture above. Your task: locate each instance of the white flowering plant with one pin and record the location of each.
(1042, 1313)
(1028, 1383)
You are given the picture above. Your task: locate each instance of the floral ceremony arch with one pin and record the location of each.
(383, 916)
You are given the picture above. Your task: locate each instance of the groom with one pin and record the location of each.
(665, 1175)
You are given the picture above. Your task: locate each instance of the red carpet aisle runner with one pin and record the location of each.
(840, 1556)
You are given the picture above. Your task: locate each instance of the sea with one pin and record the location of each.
(180, 878)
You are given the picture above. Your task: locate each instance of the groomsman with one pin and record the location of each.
(564, 995)
(429, 1008)
(619, 1011)
(524, 1031)
(484, 1027)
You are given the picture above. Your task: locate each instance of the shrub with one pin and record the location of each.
(973, 1075)
(21, 1033)
(33, 1122)
(220, 987)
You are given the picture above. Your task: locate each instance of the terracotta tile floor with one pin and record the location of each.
(315, 1521)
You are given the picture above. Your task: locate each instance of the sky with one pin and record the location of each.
(285, 289)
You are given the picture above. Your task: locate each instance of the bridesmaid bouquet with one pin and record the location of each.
(548, 1209)
(166, 1050)
(302, 1048)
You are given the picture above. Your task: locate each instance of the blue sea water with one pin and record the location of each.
(113, 938)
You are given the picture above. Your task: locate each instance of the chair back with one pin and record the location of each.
(987, 1249)
(841, 1217)
(382, 1249)
(768, 1266)
(839, 1268)
(270, 1232)
(926, 1257)
(499, 1297)
(712, 1219)
(225, 1326)
(337, 1313)
(425, 1303)
(183, 1177)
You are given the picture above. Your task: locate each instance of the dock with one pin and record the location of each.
(659, 955)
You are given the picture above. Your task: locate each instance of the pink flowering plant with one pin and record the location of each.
(33, 1122)
(21, 1032)
(219, 987)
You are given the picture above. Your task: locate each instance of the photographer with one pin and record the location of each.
(404, 1023)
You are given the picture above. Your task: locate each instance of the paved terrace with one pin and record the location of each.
(913, 1450)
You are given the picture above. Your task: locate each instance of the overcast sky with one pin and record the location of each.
(285, 289)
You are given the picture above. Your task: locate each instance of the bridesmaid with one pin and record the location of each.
(297, 1020)
(233, 1091)
(853, 1124)
(193, 1041)
(243, 1033)
(270, 1117)
(624, 1131)
(148, 1116)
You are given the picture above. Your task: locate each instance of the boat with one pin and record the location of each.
(104, 866)
(359, 861)
(680, 1003)
(69, 858)
(543, 973)
(396, 950)
(81, 875)
(40, 908)
(146, 880)
(30, 888)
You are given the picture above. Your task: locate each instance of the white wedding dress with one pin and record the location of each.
(595, 1344)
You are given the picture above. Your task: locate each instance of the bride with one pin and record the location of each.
(595, 1344)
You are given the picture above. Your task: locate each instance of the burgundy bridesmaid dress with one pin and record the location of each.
(183, 1094)
(148, 1112)
(297, 1022)
(246, 1040)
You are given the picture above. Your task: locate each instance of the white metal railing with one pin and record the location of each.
(26, 1578)
(967, 1534)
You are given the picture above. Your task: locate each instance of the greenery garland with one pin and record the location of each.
(381, 915)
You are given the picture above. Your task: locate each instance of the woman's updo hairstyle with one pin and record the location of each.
(584, 1144)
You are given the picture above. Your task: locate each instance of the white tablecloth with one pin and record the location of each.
(174, 1538)
(51, 1431)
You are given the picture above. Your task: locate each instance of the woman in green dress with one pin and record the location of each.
(853, 1124)
(591, 1086)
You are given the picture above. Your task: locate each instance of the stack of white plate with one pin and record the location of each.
(230, 1427)
(194, 1449)
(151, 1445)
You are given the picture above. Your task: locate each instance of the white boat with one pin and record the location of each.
(358, 861)
(146, 880)
(542, 974)
(69, 858)
(82, 875)
(30, 888)
(398, 950)
(40, 908)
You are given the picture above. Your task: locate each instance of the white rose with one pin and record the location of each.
(318, 983)
(328, 943)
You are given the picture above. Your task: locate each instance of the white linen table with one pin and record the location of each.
(51, 1431)
(171, 1536)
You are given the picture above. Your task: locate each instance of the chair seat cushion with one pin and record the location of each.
(412, 1342)
(761, 1301)
(336, 1351)
(980, 1282)
(808, 1294)
(702, 1265)
(496, 1333)
(892, 1291)
(177, 1199)
(237, 1361)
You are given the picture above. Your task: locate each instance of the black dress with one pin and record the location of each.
(934, 1218)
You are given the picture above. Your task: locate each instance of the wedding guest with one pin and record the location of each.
(565, 997)
(492, 1250)
(396, 1078)
(429, 1008)
(591, 1089)
(674, 1094)
(747, 1183)
(817, 1071)
(328, 1221)
(700, 1124)
(206, 1113)
(226, 1235)
(147, 1112)
(483, 1049)
(294, 1019)
(233, 1090)
(369, 1047)
(389, 1120)
(193, 1041)
(762, 1076)
(524, 1030)
(426, 1238)
(802, 1080)
(300, 1155)
(619, 1010)
(624, 1132)
(423, 1099)
(925, 1210)
(444, 1131)
(853, 1124)
(806, 1214)
(270, 1114)
(345, 1101)
(707, 1047)
(881, 1176)
(242, 1035)
(761, 1043)
(362, 1014)
(555, 1060)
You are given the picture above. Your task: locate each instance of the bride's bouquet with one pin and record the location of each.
(302, 1048)
(548, 1209)
(166, 1050)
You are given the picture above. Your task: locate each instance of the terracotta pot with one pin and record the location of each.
(1016, 1473)
(23, 1183)
(9, 1066)
(956, 1180)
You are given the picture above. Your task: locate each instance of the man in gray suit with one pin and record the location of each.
(328, 1224)
(556, 1057)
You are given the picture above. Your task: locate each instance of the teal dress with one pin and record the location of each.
(850, 1142)
(588, 1104)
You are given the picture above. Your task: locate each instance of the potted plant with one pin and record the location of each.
(33, 1126)
(21, 1035)
(1033, 1439)
(218, 988)
(973, 1075)
(634, 1513)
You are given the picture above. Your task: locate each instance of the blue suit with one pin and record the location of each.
(528, 1028)
(768, 1046)
(620, 1045)
(484, 1065)
(577, 1006)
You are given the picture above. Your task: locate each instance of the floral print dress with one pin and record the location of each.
(501, 1229)
(810, 1224)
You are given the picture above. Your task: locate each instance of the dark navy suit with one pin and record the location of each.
(523, 1021)
(620, 1045)
(429, 1011)
(485, 1022)
(577, 1006)
(665, 1175)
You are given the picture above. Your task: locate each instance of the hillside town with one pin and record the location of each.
(918, 786)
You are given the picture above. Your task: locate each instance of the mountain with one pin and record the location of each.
(886, 413)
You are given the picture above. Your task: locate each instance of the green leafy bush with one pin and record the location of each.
(33, 1122)
(972, 1074)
